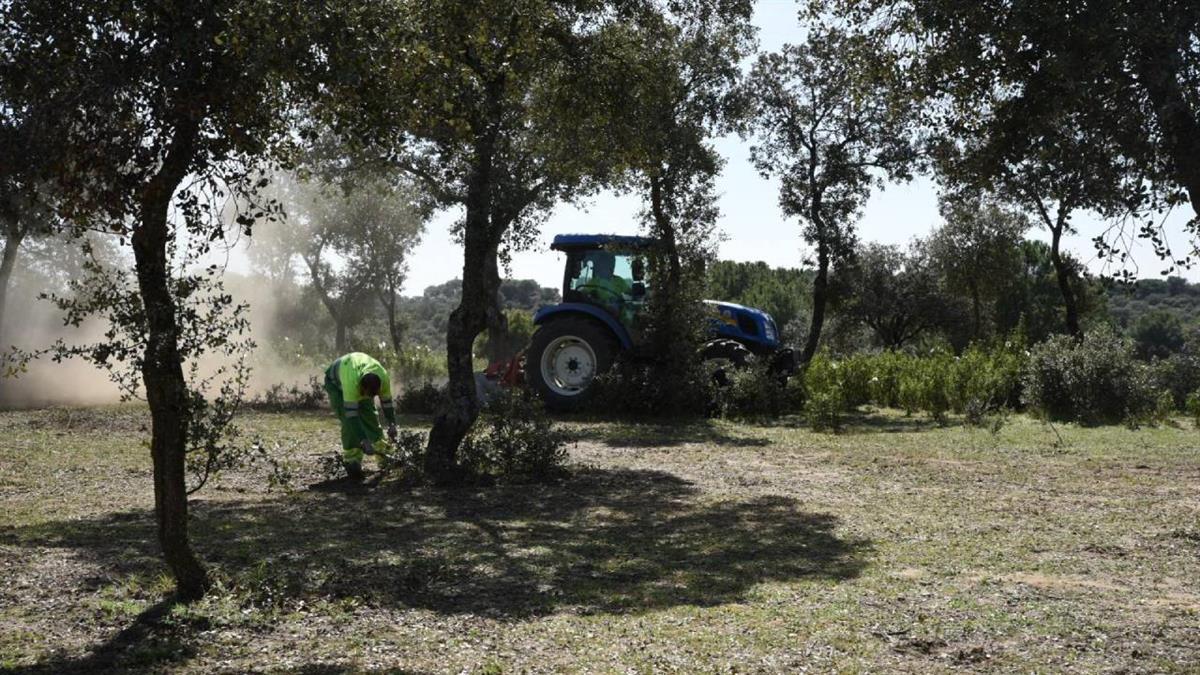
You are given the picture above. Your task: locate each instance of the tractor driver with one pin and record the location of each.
(610, 289)
(604, 286)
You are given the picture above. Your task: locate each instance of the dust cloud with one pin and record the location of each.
(33, 324)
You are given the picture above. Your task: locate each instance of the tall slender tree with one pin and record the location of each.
(831, 121)
(156, 101)
(978, 250)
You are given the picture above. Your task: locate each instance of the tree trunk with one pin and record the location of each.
(341, 339)
(481, 240)
(8, 263)
(976, 313)
(162, 373)
(395, 329)
(670, 335)
(1062, 272)
(820, 292)
(497, 323)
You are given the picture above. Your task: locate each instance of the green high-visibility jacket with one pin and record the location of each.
(343, 380)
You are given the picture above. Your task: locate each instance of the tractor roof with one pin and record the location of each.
(574, 242)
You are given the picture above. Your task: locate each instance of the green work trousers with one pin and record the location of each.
(352, 430)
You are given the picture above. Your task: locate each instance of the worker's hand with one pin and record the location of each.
(368, 448)
(392, 433)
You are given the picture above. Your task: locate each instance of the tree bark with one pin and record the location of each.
(162, 371)
(395, 329)
(8, 263)
(497, 322)
(481, 242)
(1062, 272)
(976, 313)
(820, 294)
(341, 339)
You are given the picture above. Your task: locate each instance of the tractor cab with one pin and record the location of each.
(606, 271)
(605, 288)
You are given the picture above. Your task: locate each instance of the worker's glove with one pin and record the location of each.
(392, 433)
(368, 448)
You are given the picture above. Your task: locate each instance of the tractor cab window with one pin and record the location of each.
(606, 278)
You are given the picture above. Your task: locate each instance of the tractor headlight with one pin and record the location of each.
(769, 329)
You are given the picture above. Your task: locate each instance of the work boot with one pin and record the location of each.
(353, 470)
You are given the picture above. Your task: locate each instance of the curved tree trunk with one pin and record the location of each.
(460, 407)
(497, 323)
(162, 374)
(1062, 272)
(341, 338)
(820, 296)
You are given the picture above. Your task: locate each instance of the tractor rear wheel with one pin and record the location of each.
(564, 358)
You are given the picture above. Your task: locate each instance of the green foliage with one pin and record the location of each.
(935, 383)
(756, 392)
(1129, 303)
(987, 378)
(645, 388)
(514, 441)
(414, 365)
(422, 400)
(1192, 405)
(1157, 334)
(898, 294)
(282, 398)
(978, 252)
(516, 338)
(1093, 381)
(824, 395)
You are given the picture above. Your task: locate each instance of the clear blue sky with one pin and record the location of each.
(753, 225)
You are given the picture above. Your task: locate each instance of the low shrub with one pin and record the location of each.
(925, 383)
(987, 378)
(1179, 374)
(514, 441)
(756, 392)
(415, 365)
(281, 397)
(1093, 381)
(641, 388)
(1192, 406)
(422, 400)
(824, 395)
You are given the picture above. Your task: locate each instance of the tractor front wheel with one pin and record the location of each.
(564, 358)
(721, 357)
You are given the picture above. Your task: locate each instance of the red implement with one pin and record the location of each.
(507, 373)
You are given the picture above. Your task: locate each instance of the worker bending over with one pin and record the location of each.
(352, 383)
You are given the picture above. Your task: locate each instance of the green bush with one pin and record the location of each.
(824, 394)
(1192, 405)
(756, 392)
(987, 378)
(422, 400)
(514, 441)
(641, 388)
(1179, 374)
(282, 398)
(414, 365)
(1093, 381)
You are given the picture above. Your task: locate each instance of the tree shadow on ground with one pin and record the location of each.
(603, 541)
(861, 421)
(660, 434)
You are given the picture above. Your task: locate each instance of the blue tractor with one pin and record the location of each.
(604, 295)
